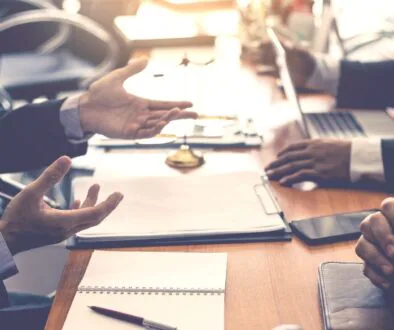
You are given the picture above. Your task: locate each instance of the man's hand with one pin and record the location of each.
(319, 160)
(376, 245)
(28, 222)
(106, 108)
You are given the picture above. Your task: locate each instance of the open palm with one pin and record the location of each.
(109, 110)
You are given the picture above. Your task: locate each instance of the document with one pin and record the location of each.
(182, 206)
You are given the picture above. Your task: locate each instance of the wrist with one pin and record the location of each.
(86, 114)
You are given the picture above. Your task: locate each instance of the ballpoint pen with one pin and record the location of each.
(137, 320)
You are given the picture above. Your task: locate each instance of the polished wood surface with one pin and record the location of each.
(268, 284)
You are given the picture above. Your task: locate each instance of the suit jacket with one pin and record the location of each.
(388, 161)
(30, 137)
(366, 85)
(33, 136)
(370, 86)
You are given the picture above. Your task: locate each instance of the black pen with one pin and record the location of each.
(147, 324)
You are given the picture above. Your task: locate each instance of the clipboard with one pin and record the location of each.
(267, 201)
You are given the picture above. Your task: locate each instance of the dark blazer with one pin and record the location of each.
(388, 161)
(32, 137)
(366, 85)
(370, 86)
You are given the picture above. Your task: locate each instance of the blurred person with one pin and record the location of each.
(355, 85)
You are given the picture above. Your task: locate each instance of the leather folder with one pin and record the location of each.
(349, 301)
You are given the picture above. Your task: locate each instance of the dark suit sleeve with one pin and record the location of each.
(388, 161)
(366, 85)
(33, 136)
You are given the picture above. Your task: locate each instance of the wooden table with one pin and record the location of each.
(268, 284)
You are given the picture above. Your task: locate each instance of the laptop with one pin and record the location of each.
(343, 124)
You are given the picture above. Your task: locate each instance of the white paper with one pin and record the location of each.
(152, 269)
(182, 206)
(157, 269)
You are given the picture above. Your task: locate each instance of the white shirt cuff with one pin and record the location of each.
(366, 160)
(70, 119)
(326, 75)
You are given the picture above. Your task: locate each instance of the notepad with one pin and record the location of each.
(185, 290)
(185, 206)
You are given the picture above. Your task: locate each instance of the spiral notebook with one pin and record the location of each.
(185, 290)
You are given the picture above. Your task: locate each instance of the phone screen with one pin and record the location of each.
(333, 228)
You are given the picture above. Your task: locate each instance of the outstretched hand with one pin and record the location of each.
(28, 222)
(106, 108)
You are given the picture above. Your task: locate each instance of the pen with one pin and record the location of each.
(147, 324)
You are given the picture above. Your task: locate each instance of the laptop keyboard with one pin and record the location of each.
(336, 124)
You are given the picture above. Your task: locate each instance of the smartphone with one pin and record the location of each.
(330, 229)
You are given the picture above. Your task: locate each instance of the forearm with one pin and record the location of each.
(366, 85)
(33, 137)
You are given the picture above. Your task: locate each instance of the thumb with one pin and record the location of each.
(133, 67)
(52, 175)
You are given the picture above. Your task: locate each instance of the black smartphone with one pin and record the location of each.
(330, 229)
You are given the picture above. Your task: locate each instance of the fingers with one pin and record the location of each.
(153, 119)
(184, 115)
(133, 67)
(92, 216)
(288, 158)
(294, 147)
(51, 176)
(75, 205)
(280, 172)
(377, 279)
(373, 256)
(88, 216)
(300, 176)
(143, 133)
(92, 196)
(377, 230)
(167, 105)
(387, 208)
(152, 124)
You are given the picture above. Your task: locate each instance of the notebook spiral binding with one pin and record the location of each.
(148, 291)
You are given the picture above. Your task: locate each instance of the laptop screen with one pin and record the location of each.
(287, 82)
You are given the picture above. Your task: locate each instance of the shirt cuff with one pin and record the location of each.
(70, 119)
(7, 264)
(366, 160)
(326, 75)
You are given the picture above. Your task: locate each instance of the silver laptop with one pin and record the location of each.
(344, 124)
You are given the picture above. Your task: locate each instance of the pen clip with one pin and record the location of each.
(151, 325)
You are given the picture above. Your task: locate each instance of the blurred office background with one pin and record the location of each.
(53, 49)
